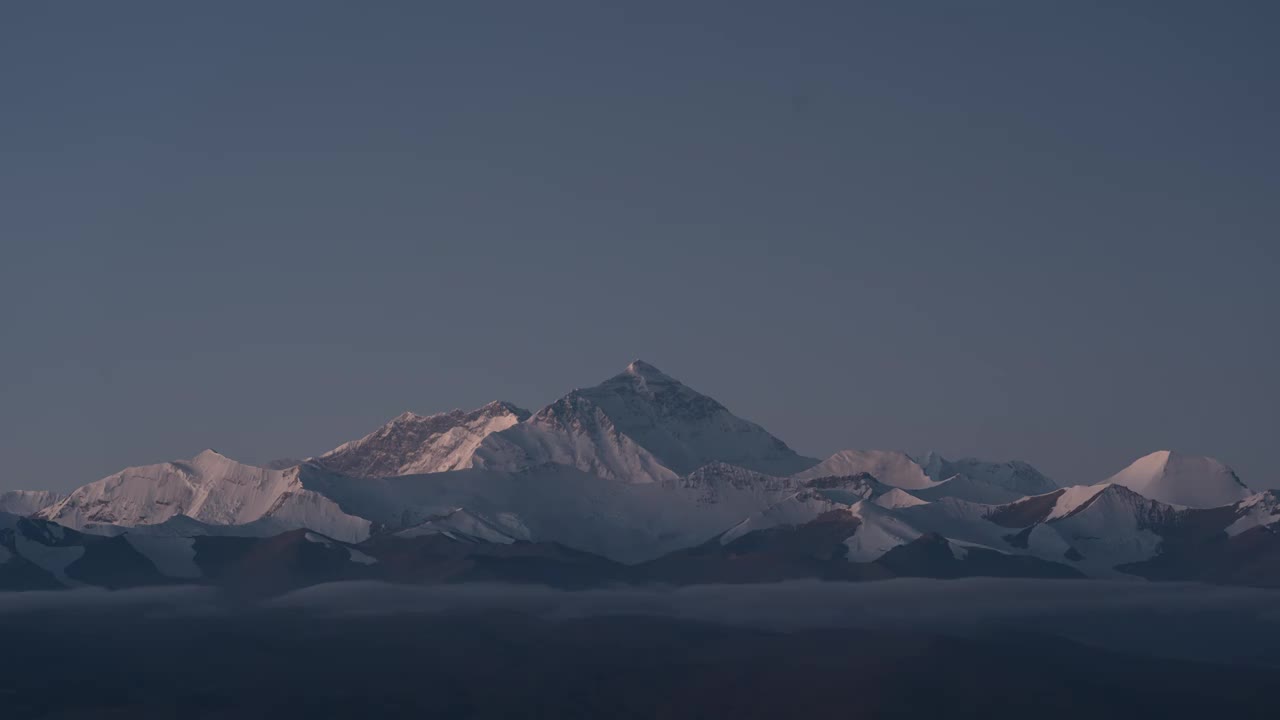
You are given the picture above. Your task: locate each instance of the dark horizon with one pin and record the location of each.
(1011, 232)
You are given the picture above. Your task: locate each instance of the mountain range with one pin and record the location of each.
(639, 479)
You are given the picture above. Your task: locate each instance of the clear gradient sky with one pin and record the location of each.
(1035, 230)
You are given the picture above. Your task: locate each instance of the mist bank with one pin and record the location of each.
(1192, 621)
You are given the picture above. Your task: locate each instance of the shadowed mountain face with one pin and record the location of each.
(39, 555)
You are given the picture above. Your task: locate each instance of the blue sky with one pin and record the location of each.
(1044, 231)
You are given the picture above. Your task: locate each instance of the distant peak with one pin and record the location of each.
(642, 369)
(209, 453)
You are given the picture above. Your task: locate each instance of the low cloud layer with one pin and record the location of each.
(1197, 621)
(804, 604)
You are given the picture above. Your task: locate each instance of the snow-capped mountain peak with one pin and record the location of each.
(640, 425)
(648, 373)
(1178, 479)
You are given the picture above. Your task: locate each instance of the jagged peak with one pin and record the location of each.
(502, 406)
(574, 404)
(1264, 497)
(494, 407)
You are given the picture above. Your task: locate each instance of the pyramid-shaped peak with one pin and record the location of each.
(642, 369)
(600, 428)
(1179, 479)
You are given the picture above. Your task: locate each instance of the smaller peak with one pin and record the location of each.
(209, 454)
(406, 416)
(504, 407)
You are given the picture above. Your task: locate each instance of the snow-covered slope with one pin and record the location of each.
(460, 524)
(558, 503)
(795, 509)
(1187, 480)
(27, 502)
(414, 444)
(638, 426)
(210, 488)
(1113, 527)
(898, 498)
(881, 530)
(896, 469)
(982, 481)
(1260, 510)
(933, 477)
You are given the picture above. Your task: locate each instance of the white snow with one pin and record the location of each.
(414, 444)
(26, 502)
(879, 532)
(587, 440)
(898, 498)
(457, 522)
(209, 488)
(1114, 527)
(1072, 498)
(1187, 480)
(986, 482)
(640, 426)
(892, 468)
(933, 477)
(796, 509)
(1260, 510)
(317, 539)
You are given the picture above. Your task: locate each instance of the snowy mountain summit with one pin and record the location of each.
(1177, 479)
(640, 425)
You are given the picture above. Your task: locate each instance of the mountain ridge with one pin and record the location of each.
(641, 466)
